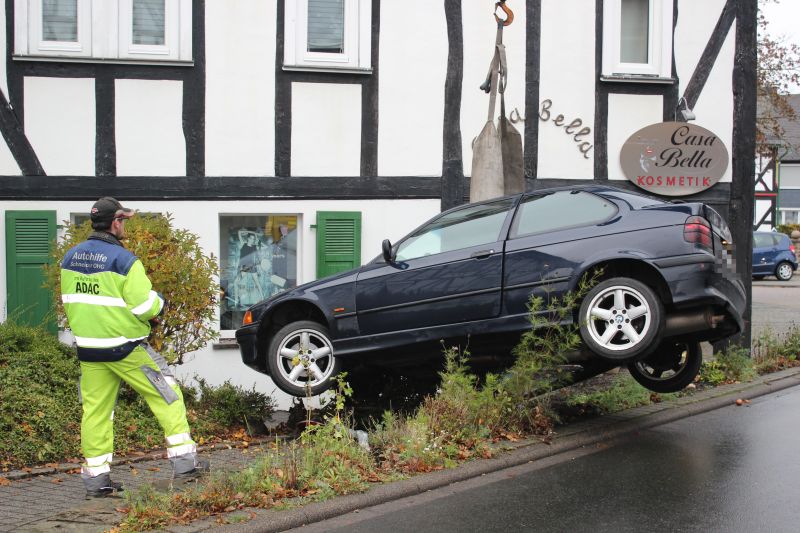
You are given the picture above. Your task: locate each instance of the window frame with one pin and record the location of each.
(357, 55)
(105, 34)
(659, 45)
(227, 334)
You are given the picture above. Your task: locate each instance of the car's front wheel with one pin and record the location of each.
(621, 319)
(670, 368)
(301, 360)
(784, 271)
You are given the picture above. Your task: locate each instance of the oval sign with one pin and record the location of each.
(674, 158)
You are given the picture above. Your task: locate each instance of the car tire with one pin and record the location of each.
(605, 323)
(301, 360)
(784, 271)
(671, 367)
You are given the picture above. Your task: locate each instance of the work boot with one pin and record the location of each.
(101, 486)
(201, 468)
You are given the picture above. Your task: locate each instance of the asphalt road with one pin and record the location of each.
(776, 305)
(733, 469)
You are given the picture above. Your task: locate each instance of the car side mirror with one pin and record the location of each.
(386, 246)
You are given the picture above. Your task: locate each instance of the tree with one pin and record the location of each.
(778, 73)
(178, 269)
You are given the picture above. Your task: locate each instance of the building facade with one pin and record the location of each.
(294, 135)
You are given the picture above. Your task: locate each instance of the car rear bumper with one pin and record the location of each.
(247, 338)
(704, 282)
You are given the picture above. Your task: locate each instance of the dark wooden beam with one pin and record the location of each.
(453, 189)
(744, 149)
(533, 62)
(217, 188)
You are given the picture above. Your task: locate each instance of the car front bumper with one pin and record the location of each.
(247, 338)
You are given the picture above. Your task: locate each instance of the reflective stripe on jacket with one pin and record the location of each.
(107, 297)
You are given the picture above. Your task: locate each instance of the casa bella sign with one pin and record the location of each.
(674, 158)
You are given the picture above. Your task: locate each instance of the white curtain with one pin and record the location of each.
(60, 20)
(634, 31)
(148, 22)
(326, 26)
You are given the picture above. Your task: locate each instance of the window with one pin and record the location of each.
(637, 39)
(258, 258)
(107, 30)
(560, 210)
(328, 35)
(472, 226)
(790, 216)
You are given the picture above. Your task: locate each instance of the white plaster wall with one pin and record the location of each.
(8, 165)
(760, 208)
(240, 88)
(326, 129)
(480, 31)
(413, 66)
(60, 123)
(628, 113)
(3, 50)
(714, 108)
(149, 128)
(567, 79)
(381, 219)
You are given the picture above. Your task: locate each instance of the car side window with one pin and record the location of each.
(761, 240)
(465, 228)
(560, 210)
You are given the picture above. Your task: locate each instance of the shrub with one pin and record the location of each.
(40, 414)
(772, 352)
(788, 228)
(228, 405)
(729, 366)
(178, 269)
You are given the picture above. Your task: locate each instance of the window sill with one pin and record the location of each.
(111, 61)
(637, 78)
(225, 344)
(331, 70)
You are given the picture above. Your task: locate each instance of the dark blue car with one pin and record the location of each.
(773, 255)
(471, 271)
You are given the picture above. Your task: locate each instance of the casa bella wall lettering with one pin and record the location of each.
(573, 127)
(674, 158)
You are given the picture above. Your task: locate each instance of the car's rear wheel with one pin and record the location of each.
(784, 271)
(301, 360)
(621, 319)
(670, 368)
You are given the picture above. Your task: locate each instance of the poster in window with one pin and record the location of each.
(258, 259)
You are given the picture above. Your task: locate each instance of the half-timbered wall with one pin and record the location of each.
(236, 133)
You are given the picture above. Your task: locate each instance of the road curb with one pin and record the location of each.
(593, 432)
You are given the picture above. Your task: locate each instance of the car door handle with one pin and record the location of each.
(481, 254)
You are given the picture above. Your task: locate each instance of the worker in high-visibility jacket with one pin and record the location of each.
(109, 303)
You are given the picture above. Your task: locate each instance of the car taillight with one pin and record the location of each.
(248, 318)
(791, 248)
(697, 230)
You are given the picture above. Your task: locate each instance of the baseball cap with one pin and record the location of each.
(106, 209)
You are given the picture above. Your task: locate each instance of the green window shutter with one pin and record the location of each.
(338, 241)
(29, 236)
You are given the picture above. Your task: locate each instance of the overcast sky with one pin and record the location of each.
(783, 18)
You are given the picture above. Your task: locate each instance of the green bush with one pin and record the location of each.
(178, 268)
(729, 366)
(40, 413)
(228, 405)
(788, 228)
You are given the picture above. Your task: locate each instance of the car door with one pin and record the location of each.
(763, 254)
(448, 271)
(550, 236)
